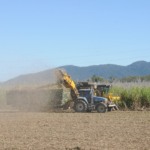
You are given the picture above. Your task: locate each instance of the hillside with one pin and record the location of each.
(139, 68)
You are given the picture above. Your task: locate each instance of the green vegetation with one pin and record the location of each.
(133, 98)
(95, 78)
(135, 78)
(111, 79)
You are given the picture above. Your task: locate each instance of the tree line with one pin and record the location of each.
(96, 78)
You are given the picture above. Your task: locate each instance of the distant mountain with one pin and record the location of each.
(139, 68)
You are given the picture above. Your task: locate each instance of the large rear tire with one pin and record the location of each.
(101, 108)
(80, 106)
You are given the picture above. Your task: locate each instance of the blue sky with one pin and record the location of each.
(40, 34)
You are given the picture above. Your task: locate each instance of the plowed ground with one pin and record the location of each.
(60, 131)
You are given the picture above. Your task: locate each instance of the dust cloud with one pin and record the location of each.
(39, 98)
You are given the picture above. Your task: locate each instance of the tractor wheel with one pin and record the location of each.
(101, 108)
(80, 106)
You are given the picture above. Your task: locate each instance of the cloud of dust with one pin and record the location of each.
(36, 98)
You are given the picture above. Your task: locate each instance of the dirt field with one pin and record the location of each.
(60, 131)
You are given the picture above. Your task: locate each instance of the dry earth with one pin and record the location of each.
(66, 131)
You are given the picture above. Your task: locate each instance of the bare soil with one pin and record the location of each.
(79, 131)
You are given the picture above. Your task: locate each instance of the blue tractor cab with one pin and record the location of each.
(87, 101)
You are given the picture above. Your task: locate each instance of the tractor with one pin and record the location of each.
(84, 99)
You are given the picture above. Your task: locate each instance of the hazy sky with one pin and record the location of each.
(40, 34)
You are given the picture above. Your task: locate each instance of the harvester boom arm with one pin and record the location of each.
(68, 83)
